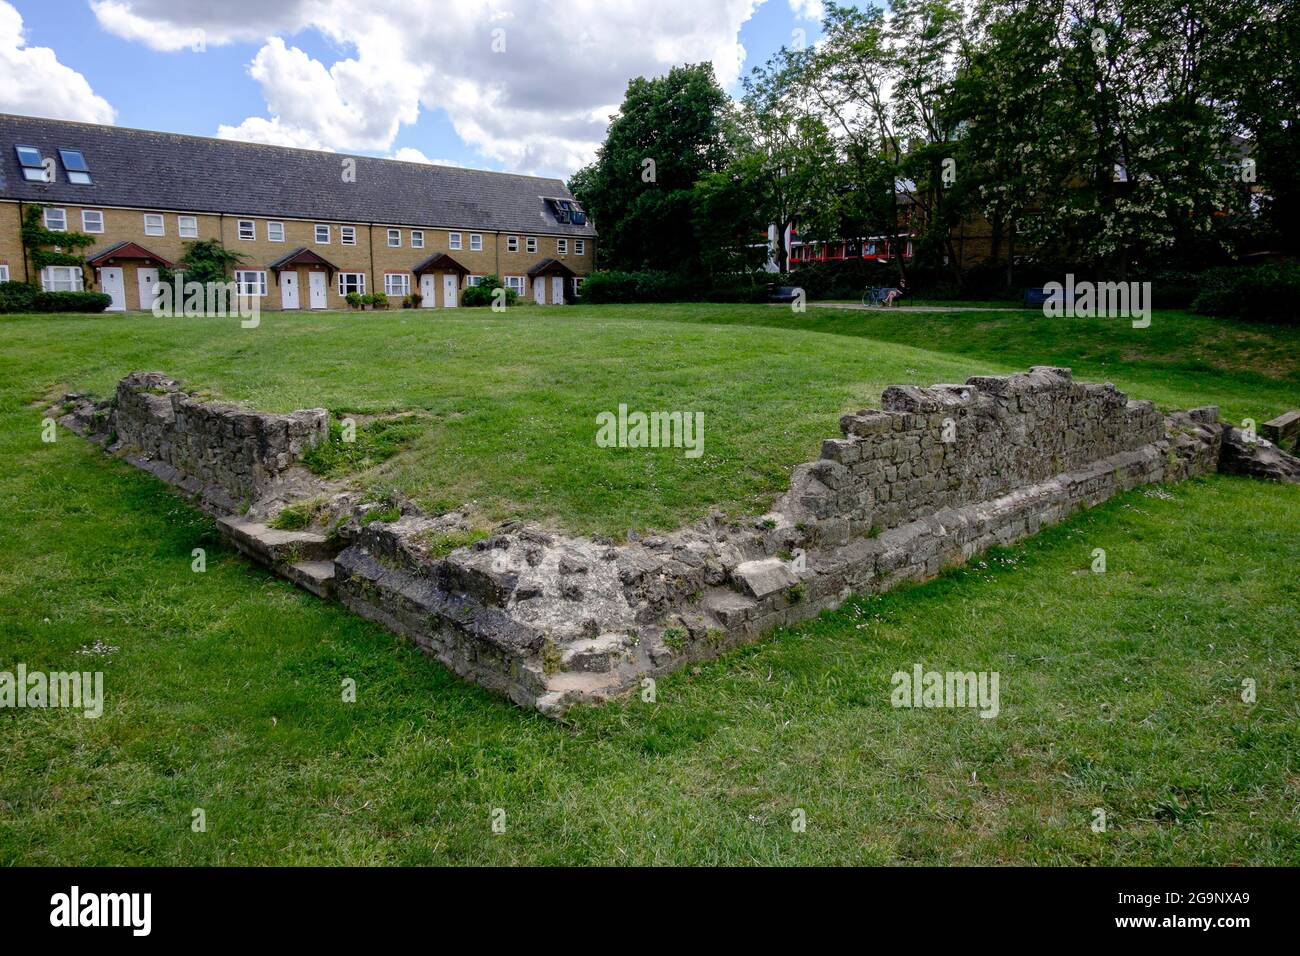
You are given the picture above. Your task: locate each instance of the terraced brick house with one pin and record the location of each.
(311, 226)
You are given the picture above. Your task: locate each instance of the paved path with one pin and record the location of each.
(916, 308)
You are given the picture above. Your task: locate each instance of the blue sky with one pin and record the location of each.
(149, 78)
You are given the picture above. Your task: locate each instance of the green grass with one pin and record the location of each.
(223, 689)
(501, 410)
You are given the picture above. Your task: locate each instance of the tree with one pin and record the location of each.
(669, 133)
(788, 160)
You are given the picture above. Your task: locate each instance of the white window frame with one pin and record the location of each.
(405, 284)
(243, 284)
(475, 242)
(359, 283)
(561, 247)
(4, 272)
(577, 284)
(512, 243)
(472, 281)
(251, 230)
(453, 240)
(155, 224)
(272, 227)
(62, 218)
(73, 278)
(579, 247)
(187, 227)
(316, 233)
(347, 235)
(530, 244)
(394, 238)
(417, 238)
(516, 283)
(86, 223)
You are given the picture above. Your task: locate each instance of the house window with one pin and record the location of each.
(512, 243)
(475, 242)
(352, 282)
(561, 247)
(417, 239)
(473, 280)
(29, 158)
(516, 283)
(348, 235)
(153, 224)
(92, 220)
(247, 229)
(56, 220)
(397, 283)
(453, 240)
(250, 283)
(322, 235)
(187, 227)
(275, 231)
(579, 247)
(577, 285)
(530, 244)
(395, 237)
(4, 272)
(61, 279)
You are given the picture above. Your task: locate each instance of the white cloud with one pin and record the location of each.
(354, 104)
(530, 84)
(808, 9)
(409, 154)
(34, 83)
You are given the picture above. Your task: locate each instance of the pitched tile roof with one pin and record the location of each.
(143, 169)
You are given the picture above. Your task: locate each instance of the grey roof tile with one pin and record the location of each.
(144, 169)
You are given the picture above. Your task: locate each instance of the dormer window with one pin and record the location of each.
(74, 164)
(567, 211)
(29, 158)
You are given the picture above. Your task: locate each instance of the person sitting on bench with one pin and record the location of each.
(893, 294)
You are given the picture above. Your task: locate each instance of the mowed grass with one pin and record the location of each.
(509, 404)
(1120, 691)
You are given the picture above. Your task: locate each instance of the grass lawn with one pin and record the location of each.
(1120, 691)
(510, 402)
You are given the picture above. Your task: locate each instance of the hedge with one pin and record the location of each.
(25, 297)
(651, 286)
(1266, 293)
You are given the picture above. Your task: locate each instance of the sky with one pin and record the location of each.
(516, 85)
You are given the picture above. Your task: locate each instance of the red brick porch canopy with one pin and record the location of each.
(552, 267)
(302, 256)
(440, 262)
(125, 250)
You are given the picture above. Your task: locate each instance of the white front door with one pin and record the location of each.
(539, 290)
(557, 290)
(147, 278)
(316, 290)
(110, 280)
(428, 290)
(449, 283)
(289, 290)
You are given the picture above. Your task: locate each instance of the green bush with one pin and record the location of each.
(485, 292)
(377, 299)
(25, 297)
(73, 301)
(1174, 289)
(1267, 293)
(354, 299)
(18, 297)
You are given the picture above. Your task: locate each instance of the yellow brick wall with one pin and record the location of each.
(372, 259)
(11, 244)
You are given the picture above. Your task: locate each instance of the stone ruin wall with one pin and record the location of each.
(937, 475)
(226, 455)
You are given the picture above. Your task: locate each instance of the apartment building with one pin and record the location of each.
(309, 226)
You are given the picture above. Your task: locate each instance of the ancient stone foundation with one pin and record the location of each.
(934, 477)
